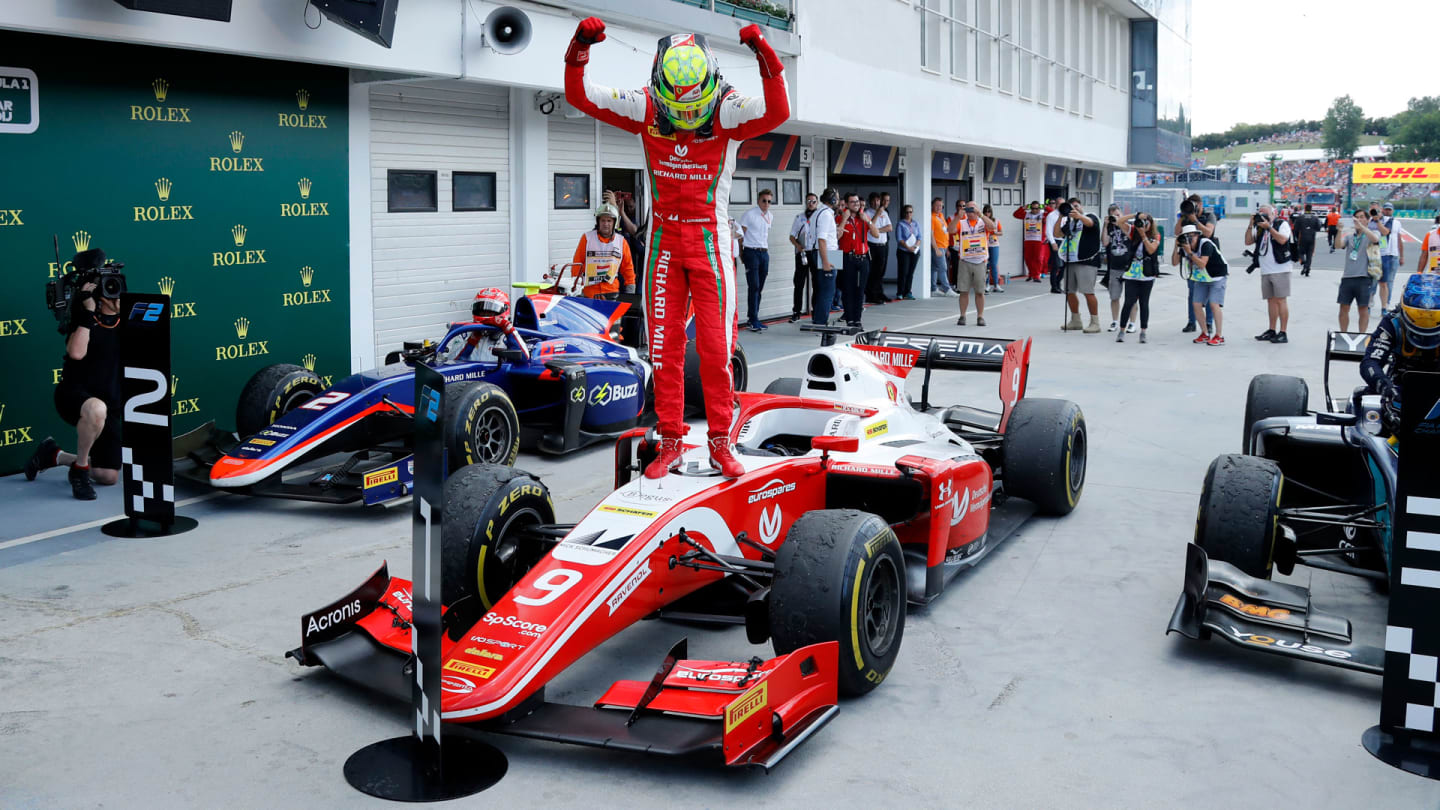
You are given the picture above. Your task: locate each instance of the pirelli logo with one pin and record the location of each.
(467, 668)
(1395, 172)
(745, 706)
(381, 477)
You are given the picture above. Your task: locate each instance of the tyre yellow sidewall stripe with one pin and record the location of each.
(855, 615)
(480, 579)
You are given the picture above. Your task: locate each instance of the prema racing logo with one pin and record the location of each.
(456, 684)
(525, 628)
(338, 616)
(773, 488)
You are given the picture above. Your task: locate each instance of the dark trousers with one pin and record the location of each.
(757, 267)
(1307, 252)
(853, 277)
(905, 262)
(875, 287)
(802, 278)
(1057, 270)
(1331, 231)
(1136, 291)
(823, 285)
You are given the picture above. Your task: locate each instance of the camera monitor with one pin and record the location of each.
(372, 19)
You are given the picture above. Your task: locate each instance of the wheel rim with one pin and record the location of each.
(1077, 461)
(880, 614)
(512, 556)
(298, 397)
(492, 436)
(738, 373)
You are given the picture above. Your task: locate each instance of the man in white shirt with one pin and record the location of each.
(827, 247)
(879, 213)
(1271, 236)
(755, 253)
(1057, 264)
(1392, 253)
(802, 237)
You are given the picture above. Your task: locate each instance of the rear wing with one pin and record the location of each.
(1008, 358)
(1346, 347)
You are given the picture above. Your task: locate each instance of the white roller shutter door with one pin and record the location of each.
(572, 151)
(428, 266)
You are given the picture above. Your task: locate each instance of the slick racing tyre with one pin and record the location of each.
(840, 576)
(694, 388)
(788, 386)
(1273, 395)
(1239, 517)
(1045, 452)
(480, 425)
(272, 392)
(483, 551)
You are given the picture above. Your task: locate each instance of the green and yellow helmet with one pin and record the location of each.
(685, 80)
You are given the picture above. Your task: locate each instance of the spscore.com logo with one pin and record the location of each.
(525, 628)
(1396, 172)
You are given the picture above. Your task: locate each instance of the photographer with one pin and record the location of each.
(1272, 256)
(1078, 236)
(1392, 252)
(854, 226)
(89, 391)
(1192, 213)
(1206, 268)
(1140, 275)
(1115, 238)
(1357, 284)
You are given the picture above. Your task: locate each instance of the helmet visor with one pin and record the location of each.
(487, 308)
(688, 114)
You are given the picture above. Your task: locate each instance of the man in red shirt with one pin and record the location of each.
(1037, 250)
(855, 229)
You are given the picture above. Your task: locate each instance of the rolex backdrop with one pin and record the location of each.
(217, 180)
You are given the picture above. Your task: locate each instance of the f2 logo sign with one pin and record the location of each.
(146, 312)
(430, 402)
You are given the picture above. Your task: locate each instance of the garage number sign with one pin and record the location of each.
(19, 101)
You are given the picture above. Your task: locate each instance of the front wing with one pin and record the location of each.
(1259, 614)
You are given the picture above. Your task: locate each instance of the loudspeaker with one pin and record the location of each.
(204, 9)
(372, 19)
(507, 30)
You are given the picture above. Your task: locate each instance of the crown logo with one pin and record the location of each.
(162, 187)
(237, 141)
(242, 327)
(309, 362)
(304, 185)
(307, 274)
(302, 97)
(238, 232)
(167, 285)
(81, 240)
(161, 88)
(174, 383)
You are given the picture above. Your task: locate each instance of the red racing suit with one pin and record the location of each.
(688, 255)
(1037, 250)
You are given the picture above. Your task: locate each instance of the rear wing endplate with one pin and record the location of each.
(1346, 347)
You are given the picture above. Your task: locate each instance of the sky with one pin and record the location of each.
(1379, 52)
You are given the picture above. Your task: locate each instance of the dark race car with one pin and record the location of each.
(854, 502)
(1312, 489)
(565, 376)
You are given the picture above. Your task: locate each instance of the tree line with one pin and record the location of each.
(1413, 134)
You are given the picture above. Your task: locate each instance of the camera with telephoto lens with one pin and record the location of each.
(63, 295)
(1258, 220)
(1065, 209)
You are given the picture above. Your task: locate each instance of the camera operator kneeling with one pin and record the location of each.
(86, 397)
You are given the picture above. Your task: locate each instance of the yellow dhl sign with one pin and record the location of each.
(382, 477)
(1395, 172)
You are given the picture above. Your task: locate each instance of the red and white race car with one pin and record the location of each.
(855, 500)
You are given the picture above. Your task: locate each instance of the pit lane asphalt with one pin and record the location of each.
(151, 672)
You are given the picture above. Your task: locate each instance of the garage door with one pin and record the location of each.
(429, 264)
(571, 157)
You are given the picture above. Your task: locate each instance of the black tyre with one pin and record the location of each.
(1046, 449)
(1239, 517)
(1273, 395)
(271, 393)
(840, 576)
(483, 551)
(694, 387)
(480, 425)
(789, 386)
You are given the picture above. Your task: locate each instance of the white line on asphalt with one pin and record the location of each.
(20, 541)
(988, 307)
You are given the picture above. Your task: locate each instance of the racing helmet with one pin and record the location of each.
(1420, 311)
(607, 210)
(685, 81)
(491, 307)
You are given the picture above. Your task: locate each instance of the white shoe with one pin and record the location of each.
(1131, 328)
(1113, 326)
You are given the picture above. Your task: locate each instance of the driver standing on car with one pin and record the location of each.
(87, 396)
(604, 258)
(691, 123)
(1407, 339)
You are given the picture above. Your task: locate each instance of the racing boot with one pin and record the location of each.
(722, 459)
(671, 448)
(80, 484)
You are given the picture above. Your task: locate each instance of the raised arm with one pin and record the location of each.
(744, 117)
(626, 109)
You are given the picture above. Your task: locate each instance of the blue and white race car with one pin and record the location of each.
(563, 377)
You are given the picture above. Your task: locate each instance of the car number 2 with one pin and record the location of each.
(551, 585)
(324, 401)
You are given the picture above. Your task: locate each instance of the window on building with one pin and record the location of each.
(793, 192)
(740, 191)
(769, 184)
(1042, 47)
(472, 191)
(931, 27)
(1027, 44)
(1007, 45)
(985, 48)
(410, 191)
(572, 191)
(961, 39)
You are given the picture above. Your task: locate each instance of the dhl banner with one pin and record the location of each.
(1395, 172)
(219, 181)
